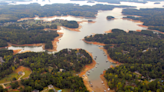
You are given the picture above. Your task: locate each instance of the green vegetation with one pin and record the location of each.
(10, 77)
(151, 17)
(16, 35)
(109, 17)
(62, 65)
(14, 13)
(2, 90)
(142, 56)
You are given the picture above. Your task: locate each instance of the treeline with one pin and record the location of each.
(46, 69)
(12, 13)
(141, 52)
(151, 17)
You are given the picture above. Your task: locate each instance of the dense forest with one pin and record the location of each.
(46, 69)
(142, 56)
(109, 17)
(17, 35)
(151, 17)
(12, 13)
(24, 33)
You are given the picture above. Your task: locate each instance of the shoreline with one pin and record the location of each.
(136, 21)
(83, 72)
(109, 31)
(109, 58)
(73, 29)
(95, 43)
(105, 81)
(143, 26)
(54, 43)
(106, 53)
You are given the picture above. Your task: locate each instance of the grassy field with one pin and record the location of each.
(10, 77)
(15, 74)
(26, 70)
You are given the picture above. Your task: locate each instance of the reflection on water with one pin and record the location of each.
(27, 48)
(69, 18)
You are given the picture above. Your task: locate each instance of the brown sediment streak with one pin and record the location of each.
(25, 51)
(84, 70)
(95, 43)
(143, 26)
(138, 30)
(16, 51)
(109, 31)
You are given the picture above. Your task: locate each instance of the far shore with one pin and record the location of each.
(84, 70)
(22, 19)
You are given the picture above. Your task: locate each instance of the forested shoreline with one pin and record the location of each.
(142, 56)
(46, 69)
(153, 18)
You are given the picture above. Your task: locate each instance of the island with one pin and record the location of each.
(140, 56)
(109, 17)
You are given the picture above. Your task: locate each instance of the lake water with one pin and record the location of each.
(73, 40)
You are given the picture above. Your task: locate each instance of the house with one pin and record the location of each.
(50, 86)
(35, 90)
(20, 73)
(61, 70)
(1, 60)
